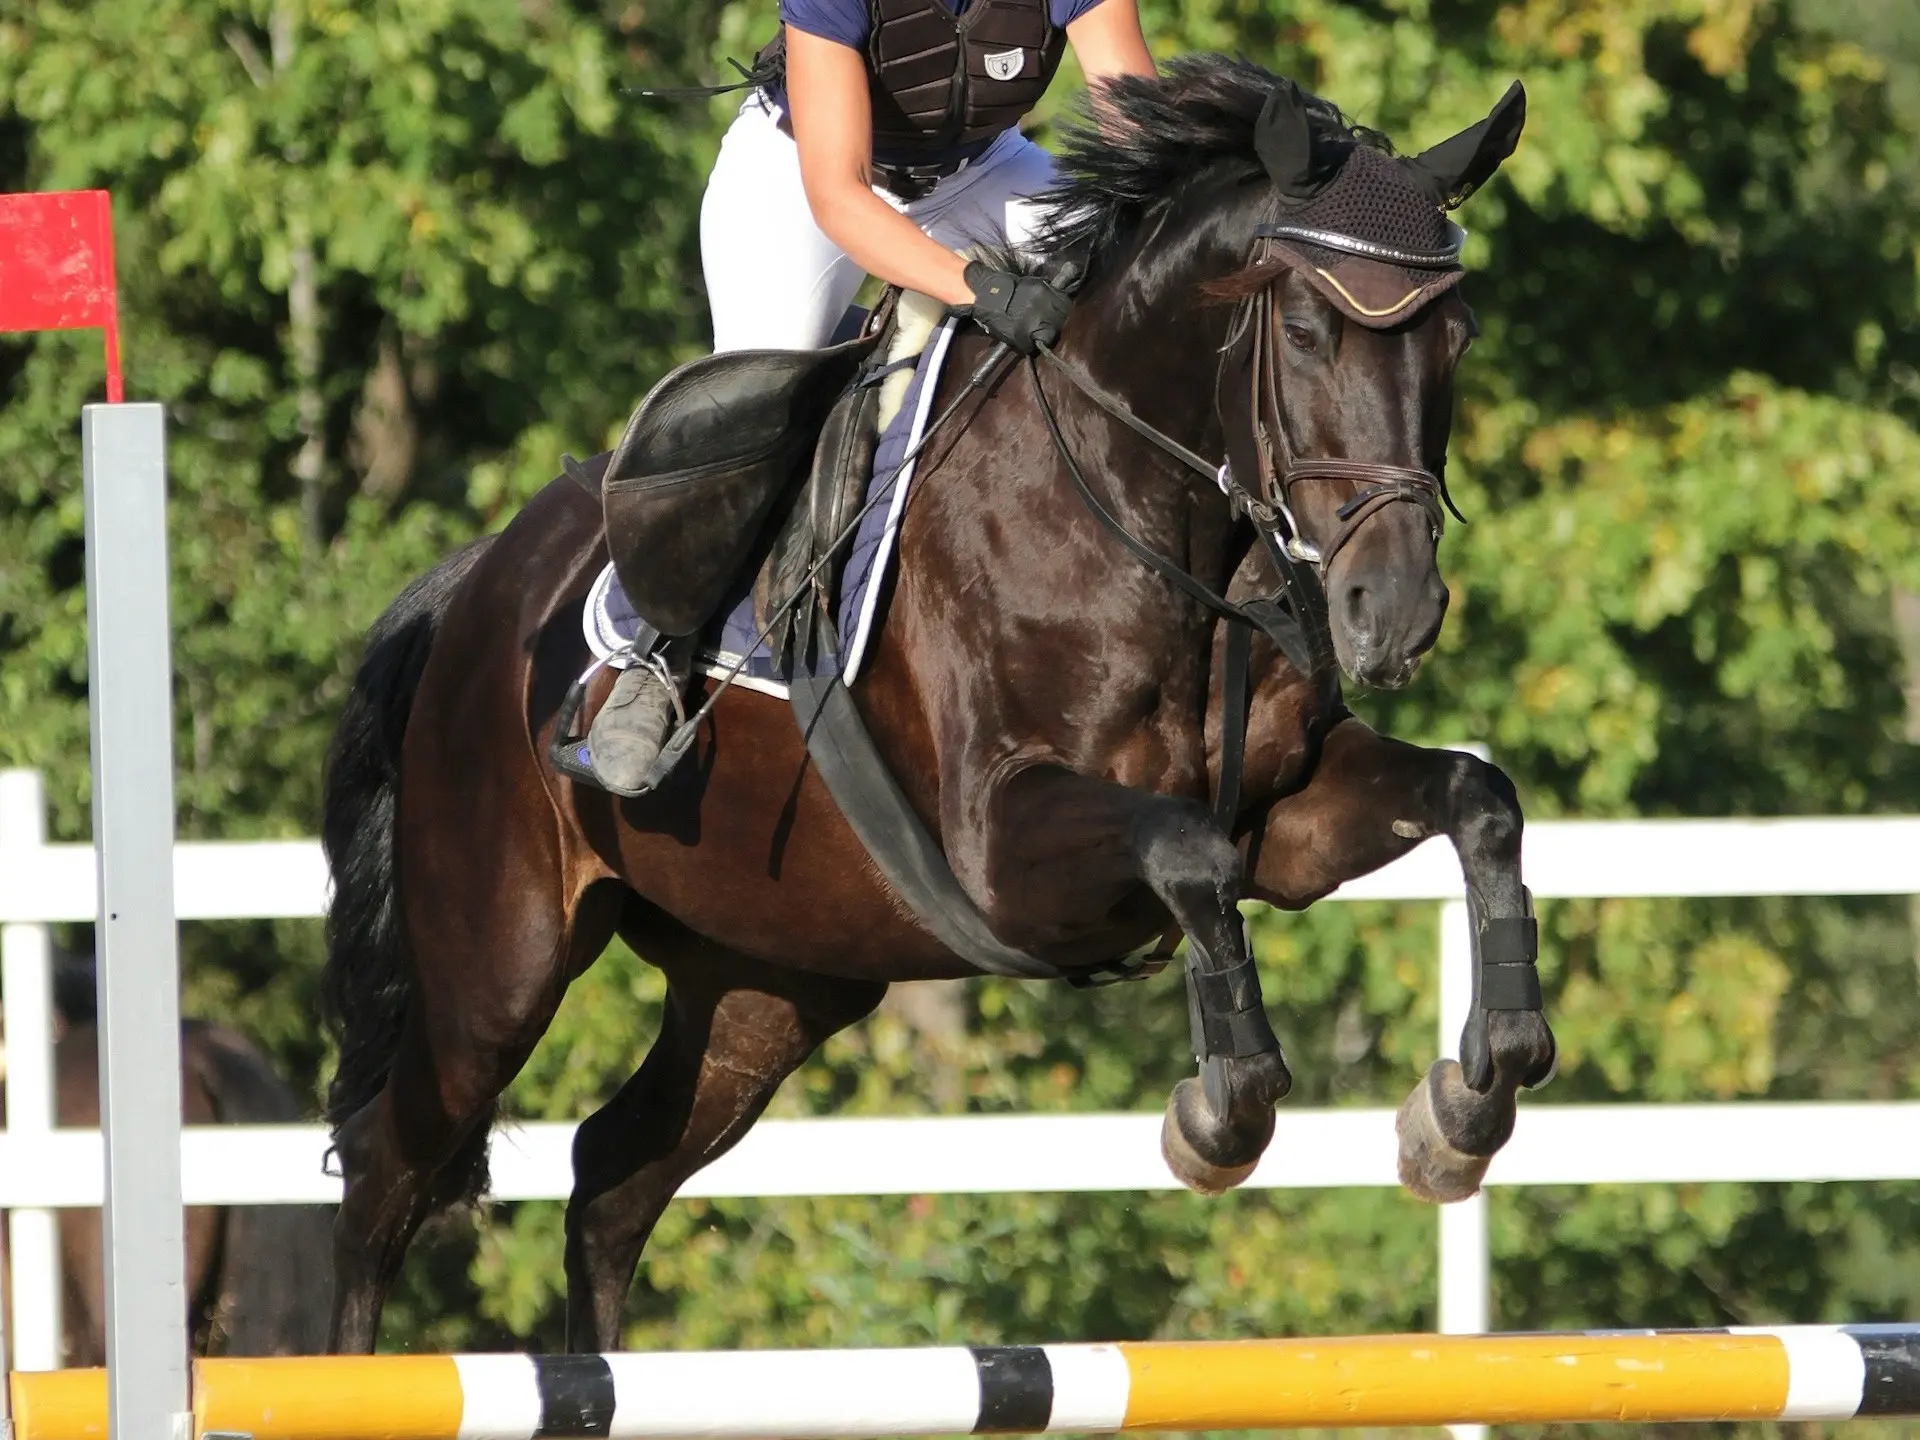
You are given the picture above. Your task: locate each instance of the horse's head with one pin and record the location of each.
(1334, 394)
(1355, 325)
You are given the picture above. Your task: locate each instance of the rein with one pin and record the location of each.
(1180, 579)
(1294, 618)
(1280, 472)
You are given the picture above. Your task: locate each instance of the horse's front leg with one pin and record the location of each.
(1065, 853)
(1370, 800)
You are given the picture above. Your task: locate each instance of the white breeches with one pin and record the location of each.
(776, 282)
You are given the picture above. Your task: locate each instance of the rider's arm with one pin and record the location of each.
(833, 126)
(1106, 40)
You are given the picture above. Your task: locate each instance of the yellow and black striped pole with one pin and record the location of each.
(1813, 1372)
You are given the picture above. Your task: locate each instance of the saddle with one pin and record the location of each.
(714, 459)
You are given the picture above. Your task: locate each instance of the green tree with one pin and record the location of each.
(385, 261)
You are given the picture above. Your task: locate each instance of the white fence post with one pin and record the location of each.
(130, 705)
(1463, 1225)
(26, 992)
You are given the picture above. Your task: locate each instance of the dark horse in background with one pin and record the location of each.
(258, 1276)
(1049, 702)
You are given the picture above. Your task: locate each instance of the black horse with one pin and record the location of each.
(1056, 690)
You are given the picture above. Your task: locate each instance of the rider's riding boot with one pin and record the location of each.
(627, 735)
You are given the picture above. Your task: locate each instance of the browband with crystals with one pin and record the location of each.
(1445, 259)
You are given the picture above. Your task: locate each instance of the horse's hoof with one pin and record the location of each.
(1431, 1167)
(1200, 1150)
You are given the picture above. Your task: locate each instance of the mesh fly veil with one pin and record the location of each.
(1369, 230)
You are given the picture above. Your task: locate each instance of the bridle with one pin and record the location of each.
(1294, 616)
(1281, 471)
(1264, 450)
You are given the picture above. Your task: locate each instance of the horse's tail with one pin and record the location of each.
(276, 1261)
(366, 985)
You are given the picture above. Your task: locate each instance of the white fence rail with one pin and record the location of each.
(42, 1169)
(1083, 1154)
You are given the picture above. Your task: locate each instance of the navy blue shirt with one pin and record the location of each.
(848, 21)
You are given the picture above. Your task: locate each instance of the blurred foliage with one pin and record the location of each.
(1686, 440)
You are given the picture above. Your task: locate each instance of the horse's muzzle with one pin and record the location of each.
(1382, 627)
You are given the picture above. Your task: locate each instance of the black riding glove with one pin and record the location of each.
(1022, 310)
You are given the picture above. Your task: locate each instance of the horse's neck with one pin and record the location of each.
(1163, 364)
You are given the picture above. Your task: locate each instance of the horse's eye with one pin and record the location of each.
(1300, 337)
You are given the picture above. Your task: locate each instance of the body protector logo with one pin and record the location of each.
(1007, 64)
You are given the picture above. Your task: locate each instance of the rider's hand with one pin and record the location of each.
(1022, 310)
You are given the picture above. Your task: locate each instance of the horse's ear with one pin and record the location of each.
(1284, 141)
(1454, 169)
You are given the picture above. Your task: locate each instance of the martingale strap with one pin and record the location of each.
(1151, 558)
(1294, 618)
(1235, 699)
(1285, 626)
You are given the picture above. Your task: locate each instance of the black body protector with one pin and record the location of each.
(940, 81)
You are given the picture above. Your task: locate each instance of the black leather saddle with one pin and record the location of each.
(715, 457)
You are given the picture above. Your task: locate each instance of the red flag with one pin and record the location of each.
(56, 268)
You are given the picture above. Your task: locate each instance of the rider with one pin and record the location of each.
(880, 137)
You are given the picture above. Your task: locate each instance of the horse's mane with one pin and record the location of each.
(1145, 142)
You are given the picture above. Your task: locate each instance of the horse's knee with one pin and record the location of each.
(1180, 849)
(1485, 810)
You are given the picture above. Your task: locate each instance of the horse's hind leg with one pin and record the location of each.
(490, 969)
(1371, 799)
(733, 1030)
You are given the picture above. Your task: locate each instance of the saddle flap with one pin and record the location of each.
(701, 464)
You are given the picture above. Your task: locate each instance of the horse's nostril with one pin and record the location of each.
(1356, 603)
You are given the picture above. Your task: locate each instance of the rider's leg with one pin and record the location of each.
(774, 282)
(627, 735)
(991, 201)
(774, 279)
